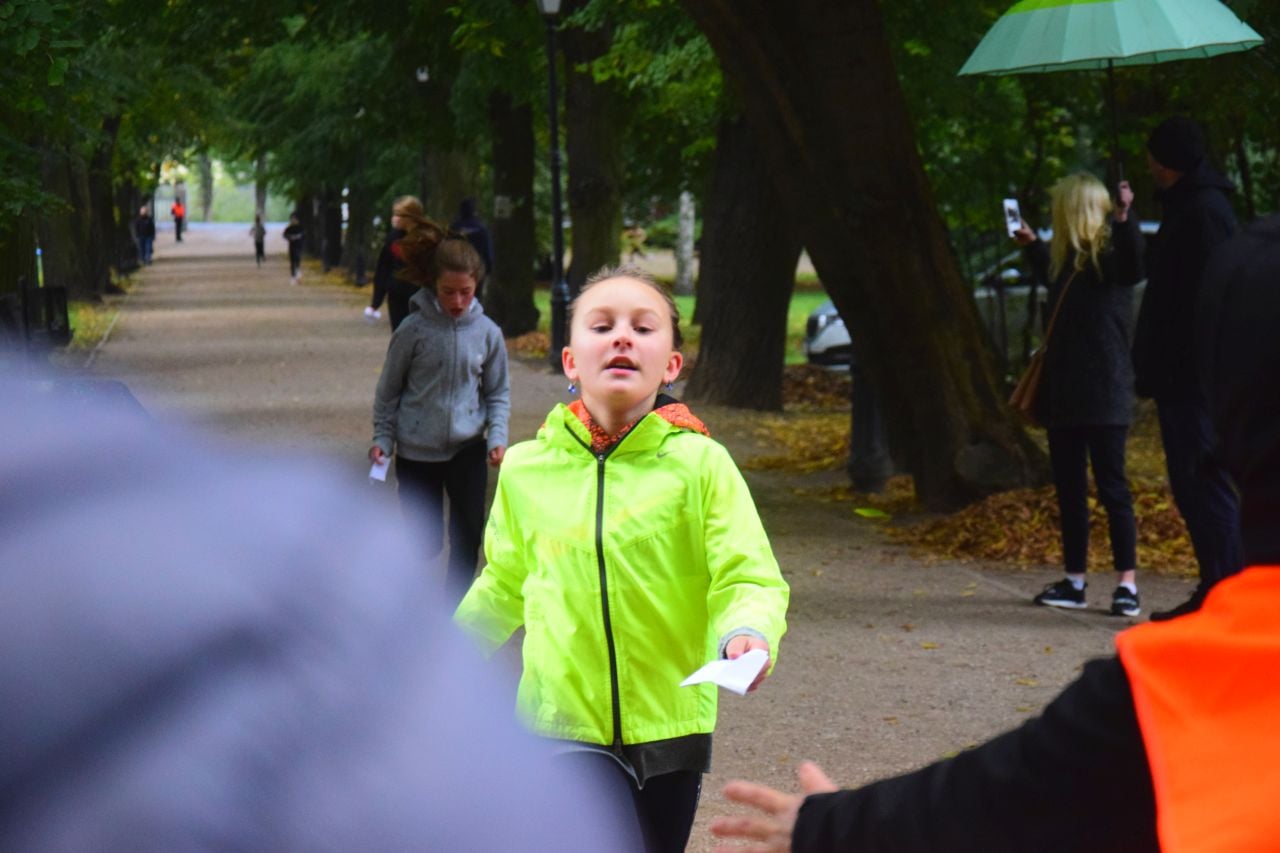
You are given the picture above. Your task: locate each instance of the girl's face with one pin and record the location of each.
(621, 348)
(455, 292)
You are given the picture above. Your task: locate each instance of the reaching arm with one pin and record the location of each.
(747, 597)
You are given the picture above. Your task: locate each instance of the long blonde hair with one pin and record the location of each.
(1081, 222)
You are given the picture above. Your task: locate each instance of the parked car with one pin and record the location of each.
(826, 338)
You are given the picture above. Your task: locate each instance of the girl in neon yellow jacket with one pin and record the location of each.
(626, 543)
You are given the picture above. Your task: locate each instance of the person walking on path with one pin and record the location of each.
(258, 232)
(293, 235)
(470, 226)
(407, 222)
(179, 213)
(1086, 392)
(626, 543)
(442, 405)
(144, 229)
(1196, 219)
(1169, 745)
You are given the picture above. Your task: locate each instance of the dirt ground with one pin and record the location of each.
(890, 662)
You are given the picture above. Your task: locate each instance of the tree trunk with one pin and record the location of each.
(205, 165)
(127, 203)
(684, 245)
(818, 84)
(451, 176)
(260, 186)
(61, 239)
(509, 290)
(331, 245)
(746, 281)
(101, 248)
(595, 121)
(17, 255)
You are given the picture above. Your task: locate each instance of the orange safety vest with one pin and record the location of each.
(1206, 688)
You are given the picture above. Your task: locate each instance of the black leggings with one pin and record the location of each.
(295, 260)
(664, 807)
(1070, 451)
(422, 487)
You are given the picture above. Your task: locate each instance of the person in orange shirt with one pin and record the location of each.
(1171, 744)
(179, 213)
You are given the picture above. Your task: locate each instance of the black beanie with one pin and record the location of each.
(1178, 143)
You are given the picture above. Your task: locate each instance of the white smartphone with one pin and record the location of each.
(1012, 215)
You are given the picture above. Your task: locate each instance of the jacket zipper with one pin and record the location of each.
(614, 691)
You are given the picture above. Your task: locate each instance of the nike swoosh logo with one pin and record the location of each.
(662, 453)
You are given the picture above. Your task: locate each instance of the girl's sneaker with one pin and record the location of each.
(1062, 594)
(1125, 603)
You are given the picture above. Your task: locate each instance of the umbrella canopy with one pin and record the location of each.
(1066, 35)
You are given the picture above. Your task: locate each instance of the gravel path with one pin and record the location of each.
(889, 663)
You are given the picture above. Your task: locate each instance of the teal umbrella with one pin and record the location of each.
(1068, 35)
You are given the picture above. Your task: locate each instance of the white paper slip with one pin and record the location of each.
(735, 675)
(379, 470)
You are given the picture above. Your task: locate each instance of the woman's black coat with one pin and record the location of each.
(1088, 374)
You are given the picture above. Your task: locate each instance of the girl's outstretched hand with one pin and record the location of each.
(772, 830)
(739, 646)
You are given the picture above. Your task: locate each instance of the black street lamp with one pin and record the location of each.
(550, 9)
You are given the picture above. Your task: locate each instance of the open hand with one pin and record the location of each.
(772, 830)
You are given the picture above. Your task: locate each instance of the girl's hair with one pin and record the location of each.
(1081, 207)
(457, 255)
(636, 274)
(418, 245)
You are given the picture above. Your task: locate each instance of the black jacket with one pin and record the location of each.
(387, 285)
(1088, 375)
(1197, 218)
(144, 227)
(1074, 779)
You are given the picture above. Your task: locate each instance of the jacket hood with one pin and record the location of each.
(1203, 176)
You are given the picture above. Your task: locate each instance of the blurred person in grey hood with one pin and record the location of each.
(207, 648)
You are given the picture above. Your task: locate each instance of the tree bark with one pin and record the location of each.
(748, 268)
(684, 245)
(101, 248)
(818, 84)
(127, 203)
(509, 289)
(17, 255)
(260, 186)
(451, 177)
(65, 234)
(205, 165)
(331, 224)
(595, 120)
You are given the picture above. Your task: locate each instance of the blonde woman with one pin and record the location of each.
(1092, 263)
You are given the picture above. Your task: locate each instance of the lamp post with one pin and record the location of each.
(550, 9)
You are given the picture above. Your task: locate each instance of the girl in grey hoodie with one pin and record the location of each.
(442, 406)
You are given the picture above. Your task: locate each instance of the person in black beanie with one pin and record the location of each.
(1167, 745)
(1197, 219)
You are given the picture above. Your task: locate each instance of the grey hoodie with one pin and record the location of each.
(443, 385)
